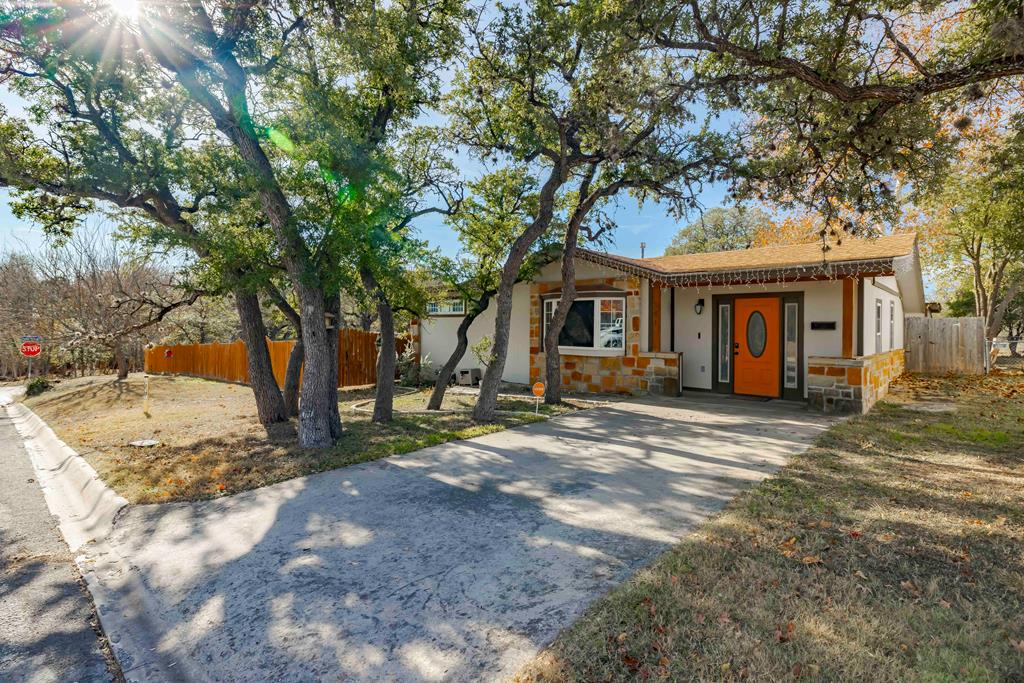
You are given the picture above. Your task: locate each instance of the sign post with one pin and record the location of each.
(538, 391)
(31, 346)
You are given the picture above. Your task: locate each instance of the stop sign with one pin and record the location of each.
(31, 349)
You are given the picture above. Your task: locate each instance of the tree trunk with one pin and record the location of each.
(384, 402)
(269, 403)
(319, 420)
(552, 358)
(487, 402)
(293, 374)
(461, 344)
(291, 379)
(333, 308)
(121, 361)
(998, 314)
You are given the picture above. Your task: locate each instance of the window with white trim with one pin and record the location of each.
(592, 323)
(892, 325)
(446, 307)
(878, 325)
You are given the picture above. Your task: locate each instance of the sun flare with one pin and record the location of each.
(126, 9)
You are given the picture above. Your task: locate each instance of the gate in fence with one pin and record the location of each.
(941, 345)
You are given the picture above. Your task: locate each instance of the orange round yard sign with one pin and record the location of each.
(538, 389)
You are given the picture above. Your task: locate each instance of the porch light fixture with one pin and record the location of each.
(698, 307)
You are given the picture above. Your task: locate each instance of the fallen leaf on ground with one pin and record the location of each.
(811, 559)
(910, 588)
(784, 635)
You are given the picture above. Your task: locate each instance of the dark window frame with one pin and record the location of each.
(595, 296)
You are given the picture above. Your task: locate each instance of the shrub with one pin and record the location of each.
(412, 373)
(37, 386)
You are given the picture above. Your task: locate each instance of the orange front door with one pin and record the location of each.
(756, 344)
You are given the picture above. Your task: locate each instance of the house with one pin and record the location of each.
(793, 322)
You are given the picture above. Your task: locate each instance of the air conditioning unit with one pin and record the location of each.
(470, 378)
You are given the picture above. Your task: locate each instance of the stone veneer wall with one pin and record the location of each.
(636, 372)
(851, 385)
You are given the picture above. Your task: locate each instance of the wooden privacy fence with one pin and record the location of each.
(357, 359)
(940, 345)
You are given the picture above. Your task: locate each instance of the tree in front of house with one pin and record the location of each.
(844, 101)
(499, 206)
(721, 229)
(976, 223)
(103, 132)
(584, 107)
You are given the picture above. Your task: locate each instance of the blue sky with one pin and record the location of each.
(650, 223)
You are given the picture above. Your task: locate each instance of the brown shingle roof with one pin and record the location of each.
(782, 258)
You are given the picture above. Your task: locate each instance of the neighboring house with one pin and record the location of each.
(792, 322)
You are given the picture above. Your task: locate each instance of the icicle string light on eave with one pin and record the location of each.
(748, 276)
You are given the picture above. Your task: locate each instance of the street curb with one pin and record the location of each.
(86, 510)
(83, 504)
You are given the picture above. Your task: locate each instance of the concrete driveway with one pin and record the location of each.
(457, 562)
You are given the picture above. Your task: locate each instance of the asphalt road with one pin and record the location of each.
(46, 614)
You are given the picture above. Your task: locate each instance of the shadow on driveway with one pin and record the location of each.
(457, 562)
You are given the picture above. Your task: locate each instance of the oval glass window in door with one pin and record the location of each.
(757, 334)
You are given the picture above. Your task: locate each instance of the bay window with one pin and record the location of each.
(592, 323)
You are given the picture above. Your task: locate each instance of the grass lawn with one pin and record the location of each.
(891, 551)
(212, 443)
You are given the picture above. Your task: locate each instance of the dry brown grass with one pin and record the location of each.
(212, 443)
(892, 551)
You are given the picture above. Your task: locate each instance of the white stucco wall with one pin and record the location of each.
(437, 337)
(879, 289)
(823, 301)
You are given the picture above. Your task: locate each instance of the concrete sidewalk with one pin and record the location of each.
(46, 614)
(457, 562)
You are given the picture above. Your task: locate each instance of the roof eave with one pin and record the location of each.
(827, 270)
